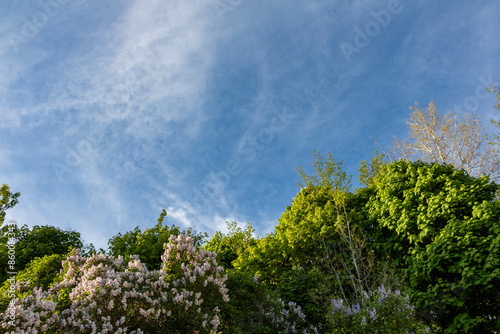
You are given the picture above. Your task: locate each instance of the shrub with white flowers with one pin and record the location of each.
(103, 294)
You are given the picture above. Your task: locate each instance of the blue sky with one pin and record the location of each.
(111, 111)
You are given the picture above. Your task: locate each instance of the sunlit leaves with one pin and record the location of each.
(443, 227)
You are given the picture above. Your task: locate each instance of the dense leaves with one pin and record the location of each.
(290, 258)
(32, 243)
(40, 273)
(441, 226)
(254, 307)
(231, 245)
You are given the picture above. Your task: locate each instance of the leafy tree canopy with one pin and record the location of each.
(231, 245)
(316, 247)
(442, 227)
(35, 242)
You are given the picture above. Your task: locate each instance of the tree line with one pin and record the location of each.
(415, 248)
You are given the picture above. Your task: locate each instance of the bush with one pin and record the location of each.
(388, 312)
(41, 272)
(106, 294)
(255, 308)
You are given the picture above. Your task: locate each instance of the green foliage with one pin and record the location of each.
(442, 228)
(311, 289)
(254, 307)
(369, 170)
(296, 241)
(38, 241)
(231, 245)
(41, 272)
(148, 244)
(319, 249)
(388, 312)
(328, 174)
(291, 258)
(7, 201)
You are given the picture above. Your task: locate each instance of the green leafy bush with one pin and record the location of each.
(30, 243)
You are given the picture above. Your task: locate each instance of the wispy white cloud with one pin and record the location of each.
(140, 104)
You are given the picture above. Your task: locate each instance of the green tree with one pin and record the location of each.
(148, 244)
(231, 245)
(252, 307)
(7, 201)
(327, 174)
(442, 227)
(369, 169)
(32, 243)
(318, 250)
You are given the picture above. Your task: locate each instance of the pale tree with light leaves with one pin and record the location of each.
(458, 140)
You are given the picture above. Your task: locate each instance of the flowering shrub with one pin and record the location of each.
(288, 318)
(388, 312)
(102, 294)
(255, 308)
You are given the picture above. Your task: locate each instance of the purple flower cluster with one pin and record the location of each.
(386, 310)
(337, 306)
(287, 317)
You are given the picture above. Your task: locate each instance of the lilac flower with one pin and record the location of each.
(383, 294)
(337, 304)
(103, 292)
(95, 285)
(373, 314)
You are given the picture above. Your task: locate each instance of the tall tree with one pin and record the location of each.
(448, 139)
(318, 250)
(442, 227)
